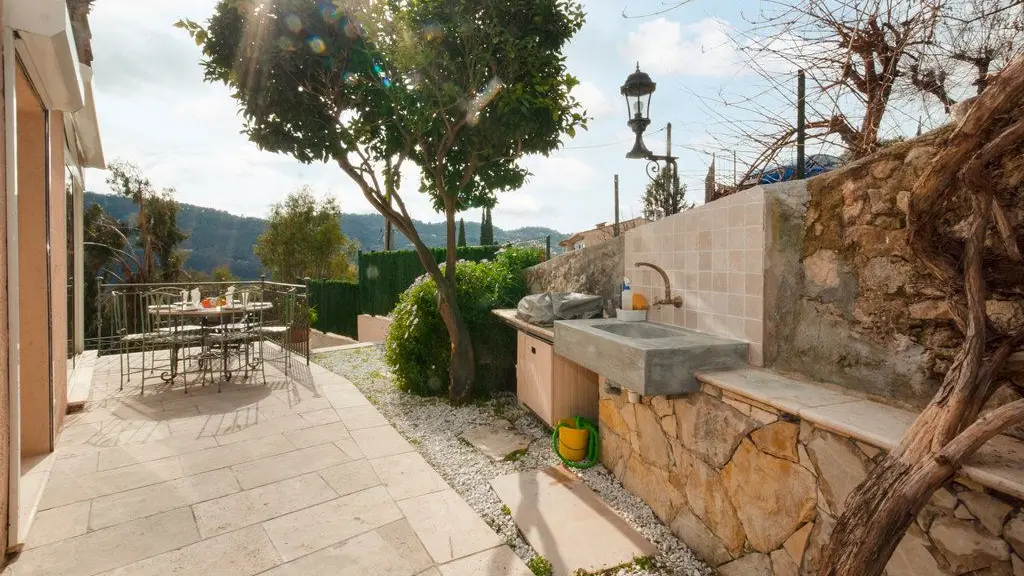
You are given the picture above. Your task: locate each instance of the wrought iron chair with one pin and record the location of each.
(279, 328)
(239, 341)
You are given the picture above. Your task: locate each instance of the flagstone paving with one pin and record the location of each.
(301, 476)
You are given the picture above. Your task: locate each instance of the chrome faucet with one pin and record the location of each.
(676, 301)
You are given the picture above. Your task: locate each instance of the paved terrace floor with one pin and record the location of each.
(302, 476)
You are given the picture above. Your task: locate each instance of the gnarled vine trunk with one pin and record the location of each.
(949, 430)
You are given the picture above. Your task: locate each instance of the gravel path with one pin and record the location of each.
(433, 426)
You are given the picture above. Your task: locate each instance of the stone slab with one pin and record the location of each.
(567, 523)
(646, 357)
(496, 439)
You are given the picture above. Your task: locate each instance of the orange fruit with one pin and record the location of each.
(640, 302)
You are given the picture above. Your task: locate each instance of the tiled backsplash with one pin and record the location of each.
(714, 256)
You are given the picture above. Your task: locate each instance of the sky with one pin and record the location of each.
(155, 110)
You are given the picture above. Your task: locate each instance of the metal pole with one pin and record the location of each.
(670, 191)
(616, 229)
(735, 183)
(801, 128)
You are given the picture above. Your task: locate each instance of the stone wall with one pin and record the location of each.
(755, 491)
(859, 310)
(595, 269)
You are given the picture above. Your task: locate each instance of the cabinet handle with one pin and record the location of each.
(533, 350)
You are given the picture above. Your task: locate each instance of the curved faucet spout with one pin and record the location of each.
(676, 301)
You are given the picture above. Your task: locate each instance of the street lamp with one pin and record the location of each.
(637, 90)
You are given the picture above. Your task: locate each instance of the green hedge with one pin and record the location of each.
(383, 276)
(418, 349)
(337, 306)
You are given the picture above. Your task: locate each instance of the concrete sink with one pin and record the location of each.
(646, 357)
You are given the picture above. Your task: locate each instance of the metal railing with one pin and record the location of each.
(122, 309)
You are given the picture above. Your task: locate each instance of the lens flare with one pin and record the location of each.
(316, 45)
(293, 22)
(331, 13)
(286, 44)
(432, 32)
(372, 272)
(482, 99)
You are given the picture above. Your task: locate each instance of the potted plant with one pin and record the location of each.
(299, 331)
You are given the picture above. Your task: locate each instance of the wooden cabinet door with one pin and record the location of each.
(534, 375)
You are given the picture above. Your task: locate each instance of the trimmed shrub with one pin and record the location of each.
(418, 349)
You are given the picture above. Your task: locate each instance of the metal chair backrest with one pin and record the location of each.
(119, 313)
(155, 301)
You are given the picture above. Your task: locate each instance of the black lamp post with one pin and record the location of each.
(638, 90)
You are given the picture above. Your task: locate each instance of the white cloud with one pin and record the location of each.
(593, 99)
(702, 48)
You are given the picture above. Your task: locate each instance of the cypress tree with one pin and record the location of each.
(462, 232)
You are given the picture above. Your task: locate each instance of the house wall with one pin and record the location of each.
(58, 272)
(5, 414)
(753, 490)
(36, 408)
(714, 257)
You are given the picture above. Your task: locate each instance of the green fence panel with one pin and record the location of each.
(383, 276)
(337, 306)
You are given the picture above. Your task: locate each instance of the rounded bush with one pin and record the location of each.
(418, 349)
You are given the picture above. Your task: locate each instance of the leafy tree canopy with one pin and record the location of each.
(463, 88)
(303, 238)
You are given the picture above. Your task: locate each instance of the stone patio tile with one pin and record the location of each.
(316, 435)
(75, 465)
(380, 441)
(111, 547)
(562, 518)
(58, 524)
(65, 490)
(224, 456)
(349, 446)
(287, 465)
(240, 431)
(350, 477)
(119, 456)
(259, 504)
(323, 525)
(498, 561)
(496, 440)
(346, 398)
(241, 553)
(430, 572)
(321, 417)
(407, 475)
(357, 417)
(447, 526)
(378, 553)
(149, 500)
(278, 408)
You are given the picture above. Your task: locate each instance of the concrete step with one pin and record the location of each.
(567, 523)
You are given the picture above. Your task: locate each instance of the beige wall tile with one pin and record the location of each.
(753, 214)
(719, 261)
(753, 331)
(753, 307)
(719, 238)
(737, 285)
(754, 284)
(754, 261)
(754, 238)
(720, 281)
(736, 301)
(704, 282)
(736, 216)
(736, 261)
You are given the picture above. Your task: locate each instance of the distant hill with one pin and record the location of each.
(217, 237)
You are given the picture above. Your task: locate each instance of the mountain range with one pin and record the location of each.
(217, 237)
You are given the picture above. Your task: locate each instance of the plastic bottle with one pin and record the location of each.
(627, 295)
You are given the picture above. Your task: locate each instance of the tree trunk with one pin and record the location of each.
(462, 369)
(949, 430)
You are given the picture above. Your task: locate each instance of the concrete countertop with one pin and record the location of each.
(509, 316)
